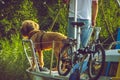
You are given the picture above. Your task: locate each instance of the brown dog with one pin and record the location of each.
(30, 29)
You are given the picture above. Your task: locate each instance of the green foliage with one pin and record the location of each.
(26, 11)
(47, 59)
(13, 62)
(52, 15)
(108, 19)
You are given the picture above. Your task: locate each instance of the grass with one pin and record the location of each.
(13, 63)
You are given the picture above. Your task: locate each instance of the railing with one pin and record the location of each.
(53, 75)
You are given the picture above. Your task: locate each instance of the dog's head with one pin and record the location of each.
(28, 26)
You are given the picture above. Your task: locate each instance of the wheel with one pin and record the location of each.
(65, 60)
(96, 63)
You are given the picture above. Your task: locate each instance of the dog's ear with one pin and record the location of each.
(36, 26)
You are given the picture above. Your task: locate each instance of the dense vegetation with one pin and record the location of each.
(51, 16)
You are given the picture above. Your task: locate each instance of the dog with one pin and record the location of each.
(30, 30)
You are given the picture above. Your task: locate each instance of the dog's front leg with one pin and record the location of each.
(40, 56)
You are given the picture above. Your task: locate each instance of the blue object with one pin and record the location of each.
(117, 47)
(107, 69)
(75, 75)
(85, 31)
(118, 39)
(77, 66)
(76, 71)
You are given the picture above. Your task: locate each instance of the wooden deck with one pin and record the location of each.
(111, 56)
(54, 76)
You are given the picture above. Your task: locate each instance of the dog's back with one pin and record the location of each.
(46, 39)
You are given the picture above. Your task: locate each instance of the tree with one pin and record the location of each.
(108, 19)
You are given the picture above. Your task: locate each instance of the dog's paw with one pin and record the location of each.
(43, 69)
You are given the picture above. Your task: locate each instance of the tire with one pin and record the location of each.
(65, 60)
(96, 64)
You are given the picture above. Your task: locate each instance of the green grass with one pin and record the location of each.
(13, 63)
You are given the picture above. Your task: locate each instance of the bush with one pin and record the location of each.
(13, 63)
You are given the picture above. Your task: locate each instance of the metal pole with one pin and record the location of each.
(75, 19)
(76, 29)
(25, 50)
(52, 56)
(34, 56)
